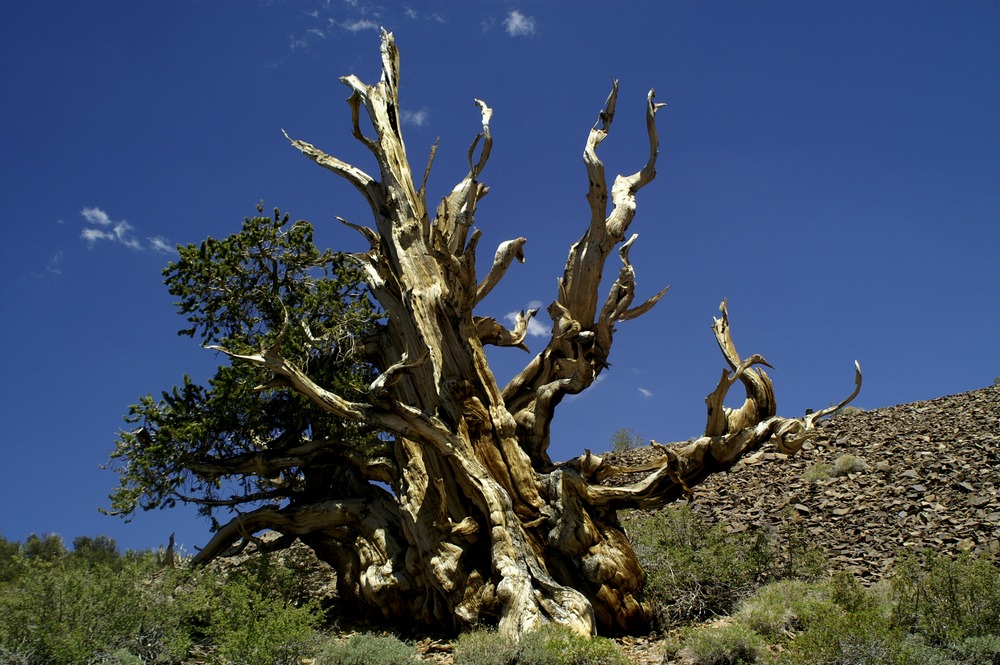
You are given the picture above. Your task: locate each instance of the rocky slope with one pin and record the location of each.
(926, 477)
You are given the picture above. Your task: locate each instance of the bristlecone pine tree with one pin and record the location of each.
(382, 440)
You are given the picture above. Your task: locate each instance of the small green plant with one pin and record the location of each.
(626, 439)
(547, 645)
(841, 466)
(483, 647)
(818, 471)
(367, 649)
(848, 463)
(730, 644)
(780, 609)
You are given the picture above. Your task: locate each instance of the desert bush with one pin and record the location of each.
(731, 644)
(61, 609)
(366, 649)
(695, 569)
(948, 600)
(93, 605)
(548, 645)
(848, 463)
(818, 471)
(841, 466)
(250, 626)
(626, 439)
(484, 647)
(780, 609)
(855, 628)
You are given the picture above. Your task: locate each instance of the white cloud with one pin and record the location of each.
(519, 25)
(418, 118)
(645, 393)
(410, 12)
(162, 245)
(359, 25)
(121, 232)
(96, 216)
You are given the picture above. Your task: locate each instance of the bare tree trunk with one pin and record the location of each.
(480, 525)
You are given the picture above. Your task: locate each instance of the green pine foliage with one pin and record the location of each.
(251, 291)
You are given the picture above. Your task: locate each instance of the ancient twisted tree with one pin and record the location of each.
(380, 438)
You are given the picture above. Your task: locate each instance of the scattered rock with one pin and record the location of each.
(932, 484)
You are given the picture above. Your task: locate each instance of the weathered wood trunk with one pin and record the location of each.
(479, 525)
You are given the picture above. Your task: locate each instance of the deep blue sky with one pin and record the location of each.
(833, 168)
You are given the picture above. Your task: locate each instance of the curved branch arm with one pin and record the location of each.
(291, 520)
(267, 464)
(678, 468)
(302, 383)
(456, 212)
(380, 386)
(505, 255)
(363, 182)
(811, 418)
(760, 403)
(490, 330)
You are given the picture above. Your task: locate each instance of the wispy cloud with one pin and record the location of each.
(518, 25)
(411, 13)
(417, 118)
(162, 245)
(103, 228)
(106, 229)
(357, 25)
(53, 265)
(645, 393)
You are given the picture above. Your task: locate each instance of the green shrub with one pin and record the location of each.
(92, 605)
(67, 610)
(547, 645)
(841, 466)
(730, 644)
(848, 638)
(626, 439)
(483, 647)
(556, 645)
(780, 609)
(695, 569)
(856, 628)
(251, 628)
(818, 471)
(367, 649)
(948, 600)
(848, 463)
(979, 649)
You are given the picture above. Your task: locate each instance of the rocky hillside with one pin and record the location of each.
(923, 476)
